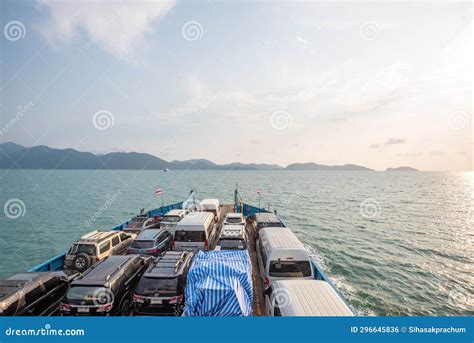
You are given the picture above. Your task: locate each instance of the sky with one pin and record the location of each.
(382, 84)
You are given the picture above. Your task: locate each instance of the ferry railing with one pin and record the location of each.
(318, 272)
(248, 210)
(57, 262)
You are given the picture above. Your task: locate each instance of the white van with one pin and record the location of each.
(303, 297)
(212, 205)
(196, 231)
(171, 219)
(281, 255)
(232, 237)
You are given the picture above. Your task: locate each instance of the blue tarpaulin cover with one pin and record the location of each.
(219, 283)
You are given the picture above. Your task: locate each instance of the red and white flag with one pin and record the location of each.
(158, 192)
(258, 191)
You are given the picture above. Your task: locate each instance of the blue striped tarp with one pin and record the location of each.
(219, 283)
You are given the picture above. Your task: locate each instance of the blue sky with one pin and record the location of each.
(380, 85)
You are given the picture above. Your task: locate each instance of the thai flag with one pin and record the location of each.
(158, 192)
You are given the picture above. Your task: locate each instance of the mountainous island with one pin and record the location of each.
(401, 169)
(14, 156)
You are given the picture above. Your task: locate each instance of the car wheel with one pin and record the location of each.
(81, 262)
(126, 307)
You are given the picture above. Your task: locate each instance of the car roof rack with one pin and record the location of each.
(97, 235)
(168, 263)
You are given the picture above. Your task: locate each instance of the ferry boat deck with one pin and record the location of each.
(258, 302)
(57, 262)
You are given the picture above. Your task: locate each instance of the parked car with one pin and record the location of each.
(33, 294)
(139, 223)
(171, 219)
(94, 247)
(265, 219)
(151, 242)
(106, 288)
(161, 288)
(213, 206)
(304, 298)
(232, 237)
(281, 255)
(234, 219)
(196, 231)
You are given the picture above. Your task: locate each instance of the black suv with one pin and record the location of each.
(161, 288)
(33, 294)
(106, 288)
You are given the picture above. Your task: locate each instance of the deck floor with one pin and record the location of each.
(258, 301)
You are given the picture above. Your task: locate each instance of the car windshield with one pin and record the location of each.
(190, 236)
(233, 220)
(261, 225)
(135, 225)
(162, 286)
(88, 249)
(171, 219)
(142, 244)
(290, 268)
(88, 293)
(133, 230)
(211, 211)
(232, 244)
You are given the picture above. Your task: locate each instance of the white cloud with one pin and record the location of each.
(117, 27)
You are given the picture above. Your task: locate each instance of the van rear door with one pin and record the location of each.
(190, 240)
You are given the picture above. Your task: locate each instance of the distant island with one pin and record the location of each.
(402, 169)
(314, 166)
(14, 156)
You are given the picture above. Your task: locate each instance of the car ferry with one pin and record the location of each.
(274, 273)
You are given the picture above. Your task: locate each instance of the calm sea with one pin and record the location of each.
(396, 243)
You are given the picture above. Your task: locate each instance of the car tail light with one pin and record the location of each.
(138, 298)
(154, 250)
(104, 308)
(266, 282)
(97, 258)
(206, 244)
(65, 307)
(175, 300)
